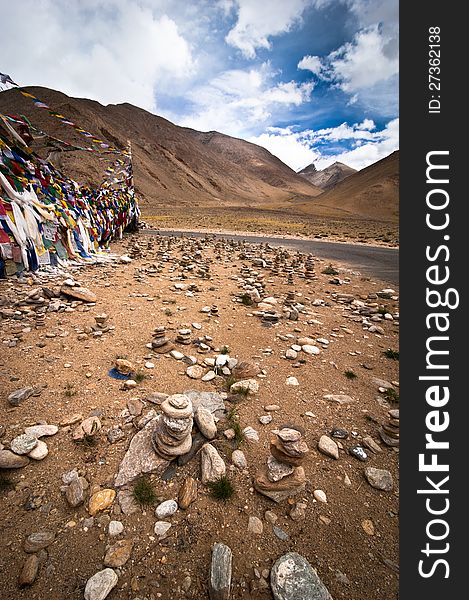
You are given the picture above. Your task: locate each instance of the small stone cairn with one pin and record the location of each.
(172, 434)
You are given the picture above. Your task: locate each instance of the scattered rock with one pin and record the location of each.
(41, 430)
(195, 372)
(115, 528)
(379, 479)
(328, 447)
(166, 509)
(187, 493)
(23, 444)
(37, 541)
(282, 535)
(205, 422)
(320, 496)
(10, 460)
(161, 529)
(127, 502)
(339, 398)
(40, 451)
(75, 493)
(100, 584)
(219, 587)
(368, 527)
(212, 464)
(78, 293)
(293, 578)
(29, 571)
(118, 554)
(255, 525)
(239, 459)
(18, 396)
(246, 386)
(292, 381)
(101, 500)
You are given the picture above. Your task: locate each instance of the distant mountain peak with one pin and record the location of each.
(329, 177)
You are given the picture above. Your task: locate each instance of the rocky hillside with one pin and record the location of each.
(172, 165)
(329, 177)
(372, 193)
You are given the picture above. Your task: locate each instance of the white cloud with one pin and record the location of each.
(115, 51)
(238, 102)
(311, 63)
(299, 149)
(258, 21)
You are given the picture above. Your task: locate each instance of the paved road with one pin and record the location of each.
(375, 261)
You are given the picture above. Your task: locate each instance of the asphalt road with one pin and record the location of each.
(374, 261)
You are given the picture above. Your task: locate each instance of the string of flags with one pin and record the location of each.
(46, 218)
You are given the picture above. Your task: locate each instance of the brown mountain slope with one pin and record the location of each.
(329, 177)
(372, 193)
(172, 165)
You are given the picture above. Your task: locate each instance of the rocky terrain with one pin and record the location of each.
(199, 418)
(329, 177)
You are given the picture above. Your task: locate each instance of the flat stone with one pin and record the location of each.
(293, 578)
(75, 492)
(29, 571)
(72, 420)
(23, 444)
(320, 496)
(283, 489)
(308, 349)
(176, 354)
(255, 526)
(250, 434)
(282, 535)
(115, 528)
(212, 401)
(328, 447)
(371, 444)
(205, 422)
(219, 585)
(198, 442)
(212, 464)
(239, 459)
(100, 584)
(118, 554)
(10, 460)
(265, 419)
(339, 398)
(195, 372)
(127, 502)
(140, 458)
(101, 500)
(277, 470)
(161, 529)
(135, 406)
(379, 479)
(287, 434)
(18, 396)
(41, 430)
(248, 386)
(271, 407)
(298, 512)
(166, 509)
(40, 451)
(209, 376)
(78, 293)
(38, 541)
(187, 493)
(291, 354)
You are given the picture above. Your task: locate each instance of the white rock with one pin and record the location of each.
(320, 496)
(100, 584)
(292, 381)
(246, 385)
(115, 528)
(250, 434)
(209, 376)
(265, 419)
(40, 451)
(161, 529)
(166, 509)
(308, 349)
(291, 354)
(328, 447)
(195, 372)
(176, 354)
(212, 464)
(149, 365)
(239, 459)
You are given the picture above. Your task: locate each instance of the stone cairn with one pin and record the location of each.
(172, 434)
(161, 344)
(40, 319)
(389, 431)
(309, 269)
(183, 337)
(214, 310)
(283, 476)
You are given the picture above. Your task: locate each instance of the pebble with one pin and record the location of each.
(100, 584)
(161, 529)
(187, 493)
(308, 349)
(292, 381)
(265, 419)
(368, 527)
(10, 460)
(41, 430)
(250, 434)
(118, 554)
(380, 479)
(149, 365)
(166, 509)
(270, 517)
(18, 396)
(115, 434)
(195, 372)
(37, 541)
(282, 535)
(272, 407)
(29, 571)
(293, 578)
(255, 525)
(23, 444)
(248, 386)
(176, 354)
(239, 459)
(40, 451)
(320, 496)
(328, 447)
(205, 422)
(209, 376)
(75, 493)
(291, 354)
(101, 500)
(219, 585)
(212, 464)
(115, 528)
(339, 398)
(358, 452)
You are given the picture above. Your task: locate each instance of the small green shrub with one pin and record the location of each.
(350, 374)
(144, 492)
(221, 489)
(392, 354)
(329, 270)
(391, 396)
(246, 300)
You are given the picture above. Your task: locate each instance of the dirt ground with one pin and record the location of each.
(353, 563)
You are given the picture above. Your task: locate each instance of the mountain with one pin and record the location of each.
(172, 165)
(326, 178)
(372, 193)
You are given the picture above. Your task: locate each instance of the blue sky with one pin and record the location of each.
(311, 80)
